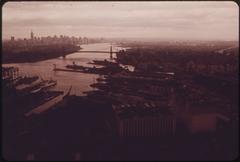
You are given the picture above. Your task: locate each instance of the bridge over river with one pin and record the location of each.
(95, 51)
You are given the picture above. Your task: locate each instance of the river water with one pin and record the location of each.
(80, 82)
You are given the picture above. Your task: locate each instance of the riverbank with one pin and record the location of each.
(144, 108)
(37, 53)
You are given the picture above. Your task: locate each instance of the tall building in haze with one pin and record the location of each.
(32, 35)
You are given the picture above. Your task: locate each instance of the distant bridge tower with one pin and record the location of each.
(32, 35)
(111, 57)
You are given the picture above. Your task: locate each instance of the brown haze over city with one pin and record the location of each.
(158, 20)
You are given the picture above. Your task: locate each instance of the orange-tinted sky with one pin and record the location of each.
(163, 20)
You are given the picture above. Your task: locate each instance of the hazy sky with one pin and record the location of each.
(163, 20)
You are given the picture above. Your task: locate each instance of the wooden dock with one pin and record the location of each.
(45, 106)
(68, 70)
(49, 104)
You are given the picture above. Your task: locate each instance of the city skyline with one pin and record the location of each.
(32, 35)
(120, 81)
(156, 20)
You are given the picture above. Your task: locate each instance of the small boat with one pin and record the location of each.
(36, 90)
(24, 87)
(49, 84)
(74, 66)
(101, 79)
(103, 62)
(45, 85)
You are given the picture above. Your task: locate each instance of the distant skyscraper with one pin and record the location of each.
(12, 38)
(32, 35)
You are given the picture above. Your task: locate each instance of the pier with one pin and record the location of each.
(68, 70)
(45, 106)
(49, 104)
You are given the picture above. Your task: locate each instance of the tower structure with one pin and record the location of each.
(111, 52)
(32, 35)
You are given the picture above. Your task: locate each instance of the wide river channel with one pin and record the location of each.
(80, 82)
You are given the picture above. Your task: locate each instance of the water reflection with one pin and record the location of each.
(80, 82)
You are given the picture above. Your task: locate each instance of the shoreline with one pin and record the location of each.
(56, 55)
(30, 57)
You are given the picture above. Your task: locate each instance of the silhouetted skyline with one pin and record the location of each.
(160, 20)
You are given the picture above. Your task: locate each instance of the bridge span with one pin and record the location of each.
(98, 51)
(110, 52)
